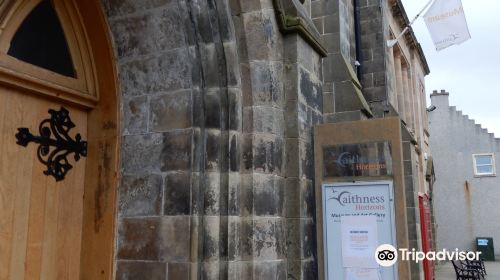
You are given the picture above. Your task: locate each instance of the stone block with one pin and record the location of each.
(234, 194)
(171, 111)
(132, 270)
(332, 42)
(268, 154)
(135, 115)
(212, 193)
(213, 150)
(179, 271)
(139, 239)
(167, 71)
(177, 199)
(246, 195)
(375, 93)
(140, 195)
(176, 150)
(235, 109)
(324, 7)
(268, 119)
(211, 238)
(175, 238)
(267, 83)
(141, 153)
(212, 102)
(346, 98)
(254, 5)
(140, 34)
(234, 152)
(311, 90)
(268, 239)
(210, 60)
(300, 239)
(234, 238)
(270, 270)
(232, 64)
(332, 25)
(291, 119)
(268, 195)
(263, 38)
(302, 269)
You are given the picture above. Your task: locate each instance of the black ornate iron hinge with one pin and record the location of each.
(53, 151)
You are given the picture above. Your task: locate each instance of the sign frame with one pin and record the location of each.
(374, 183)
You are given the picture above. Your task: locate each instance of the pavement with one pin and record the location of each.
(445, 271)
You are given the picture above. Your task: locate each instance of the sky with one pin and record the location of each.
(470, 72)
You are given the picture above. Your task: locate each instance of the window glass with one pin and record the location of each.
(40, 41)
(484, 169)
(483, 160)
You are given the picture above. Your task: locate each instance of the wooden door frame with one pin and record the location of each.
(100, 98)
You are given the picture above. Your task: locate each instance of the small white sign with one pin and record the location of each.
(359, 241)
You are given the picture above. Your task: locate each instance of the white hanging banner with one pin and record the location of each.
(446, 23)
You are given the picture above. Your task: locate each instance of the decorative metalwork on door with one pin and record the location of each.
(55, 143)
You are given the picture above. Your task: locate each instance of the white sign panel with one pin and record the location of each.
(357, 217)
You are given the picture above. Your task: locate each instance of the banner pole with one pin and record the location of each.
(391, 43)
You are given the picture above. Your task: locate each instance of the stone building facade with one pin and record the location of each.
(219, 99)
(202, 128)
(465, 198)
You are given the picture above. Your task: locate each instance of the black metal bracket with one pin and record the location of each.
(53, 151)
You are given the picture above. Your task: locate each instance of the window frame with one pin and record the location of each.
(475, 165)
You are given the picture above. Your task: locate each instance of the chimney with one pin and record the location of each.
(440, 99)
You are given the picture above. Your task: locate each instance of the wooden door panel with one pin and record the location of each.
(40, 219)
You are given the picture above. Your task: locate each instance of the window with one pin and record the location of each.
(484, 164)
(40, 41)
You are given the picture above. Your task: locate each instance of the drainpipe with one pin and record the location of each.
(357, 35)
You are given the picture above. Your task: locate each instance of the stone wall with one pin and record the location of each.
(217, 112)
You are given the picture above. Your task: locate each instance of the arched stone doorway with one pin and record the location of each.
(57, 90)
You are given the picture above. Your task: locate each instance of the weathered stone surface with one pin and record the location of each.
(234, 239)
(124, 7)
(157, 152)
(176, 151)
(213, 150)
(171, 111)
(127, 270)
(140, 195)
(211, 238)
(311, 91)
(212, 195)
(163, 72)
(157, 30)
(268, 154)
(270, 270)
(174, 238)
(268, 238)
(177, 199)
(267, 83)
(135, 115)
(139, 239)
(234, 194)
(268, 195)
(235, 109)
(180, 271)
(263, 37)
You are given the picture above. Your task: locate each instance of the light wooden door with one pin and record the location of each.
(40, 219)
